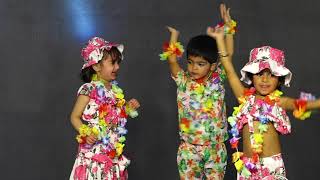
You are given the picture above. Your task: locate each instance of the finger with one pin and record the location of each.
(170, 28)
(228, 14)
(137, 105)
(221, 10)
(89, 141)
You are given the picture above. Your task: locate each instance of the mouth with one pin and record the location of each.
(264, 87)
(193, 74)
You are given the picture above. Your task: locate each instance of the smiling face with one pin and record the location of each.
(108, 67)
(198, 67)
(265, 82)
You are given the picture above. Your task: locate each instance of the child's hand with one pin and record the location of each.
(173, 30)
(133, 103)
(225, 13)
(217, 33)
(174, 34)
(91, 139)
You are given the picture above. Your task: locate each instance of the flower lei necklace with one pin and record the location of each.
(112, 114)
(244, 165)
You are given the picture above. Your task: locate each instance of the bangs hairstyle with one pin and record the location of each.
(203, 46)
(115, 54)
(281, 80)
(86, 73)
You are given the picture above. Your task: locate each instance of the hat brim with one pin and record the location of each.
(275, 69)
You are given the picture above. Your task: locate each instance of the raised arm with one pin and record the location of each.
(225, 15)
(234, 81)
(172, 60)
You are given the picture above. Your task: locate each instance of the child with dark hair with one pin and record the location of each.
(261, 115)
(102, 106)
(202, 153)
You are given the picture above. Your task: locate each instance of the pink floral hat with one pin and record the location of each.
(266, 57)
(92, 53)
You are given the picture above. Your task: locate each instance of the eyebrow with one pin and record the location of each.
(201, 61)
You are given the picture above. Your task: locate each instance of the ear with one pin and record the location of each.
(96, 67)
(213, 66)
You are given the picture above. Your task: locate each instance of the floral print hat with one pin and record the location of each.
(92, 53)
(266, 57)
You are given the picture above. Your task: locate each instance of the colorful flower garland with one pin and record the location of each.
(301, 104)
(229, 28)
(171, 49)
(244, 165)
(110, 120)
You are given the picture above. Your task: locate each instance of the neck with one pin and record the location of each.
(204, 79)
(107, 84)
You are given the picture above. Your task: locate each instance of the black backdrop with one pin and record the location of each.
(40, 45)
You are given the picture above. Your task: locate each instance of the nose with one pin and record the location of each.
(194, 67)
(116, 66)
(264, 77)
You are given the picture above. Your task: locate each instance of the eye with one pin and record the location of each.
(189, 62)
(259, 74)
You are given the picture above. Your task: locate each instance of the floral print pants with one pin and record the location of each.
(201, 161)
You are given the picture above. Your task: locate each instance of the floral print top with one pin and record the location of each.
(201, 108)
(106, 114)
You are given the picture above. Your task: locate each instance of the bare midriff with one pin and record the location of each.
(271, 143)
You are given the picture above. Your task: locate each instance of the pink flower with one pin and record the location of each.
(265, 172)
(264, 65)
(80, 172)
(253, 54)
(277, 55)
(95, 169)
(101, 158)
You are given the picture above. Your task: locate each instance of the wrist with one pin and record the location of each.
(223, 55)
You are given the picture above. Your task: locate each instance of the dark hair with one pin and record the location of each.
(203, 46)
(86, 73)
(279, 87)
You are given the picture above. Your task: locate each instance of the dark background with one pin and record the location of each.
(40, 44)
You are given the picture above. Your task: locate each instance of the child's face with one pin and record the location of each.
(198, 67)
(108, 68)
(265, 82)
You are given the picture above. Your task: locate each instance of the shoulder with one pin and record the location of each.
(85, 89)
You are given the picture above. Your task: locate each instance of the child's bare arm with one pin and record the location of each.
(235, 83)
(172, 60)
(77, 111)
(225, 15)
(288, 103)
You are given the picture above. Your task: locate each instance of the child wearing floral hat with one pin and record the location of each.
(202, 153)
(101, 105)
(261, 115)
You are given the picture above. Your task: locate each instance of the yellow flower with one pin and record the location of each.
(236, 156)
(95, 131)
(258, 138)
(239, 165)
(235, 110)
(120, 96)
(84, 130)
(241, 99)
(184, 128)
(121, 102)
(199, 89)
(119, 148)
(208, 105)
